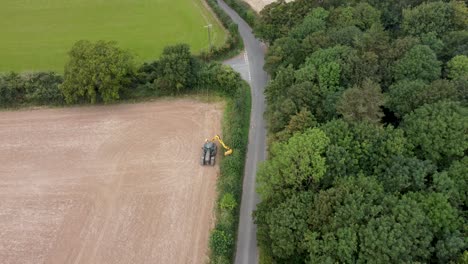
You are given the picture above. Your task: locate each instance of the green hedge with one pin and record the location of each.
(233, 45)
(235, 133)
(39, 88)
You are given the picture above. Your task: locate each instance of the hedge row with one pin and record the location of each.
(41, 88)
(233, 44)
(236, 133)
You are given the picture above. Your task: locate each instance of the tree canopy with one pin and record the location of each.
(96, 72)
(367, 120)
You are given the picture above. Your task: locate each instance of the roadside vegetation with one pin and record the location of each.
(368, 132)
(244, 10)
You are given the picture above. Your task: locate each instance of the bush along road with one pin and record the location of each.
(246, 251)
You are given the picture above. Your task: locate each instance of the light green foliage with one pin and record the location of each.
(459, 14)
(228, 202)
(458, 67)
(36, 35)
(438, 131)
(294, 165)
(418, 63)
(96, 72)
(362, 103)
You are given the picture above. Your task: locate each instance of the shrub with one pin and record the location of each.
(43, 88)
(96, 71)
(221, 243)
(11, 89)
(228, 202)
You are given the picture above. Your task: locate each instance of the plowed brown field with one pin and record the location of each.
(107, 184)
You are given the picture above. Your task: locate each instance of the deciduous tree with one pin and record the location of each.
(96, 71)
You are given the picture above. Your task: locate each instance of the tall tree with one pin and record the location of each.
(418, 63)
(176, 68)
(405, 96)
(295, 165)
(362, 103)
(96, 71)
(428, 17)
(438, 131)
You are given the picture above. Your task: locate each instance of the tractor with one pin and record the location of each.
(210, 149)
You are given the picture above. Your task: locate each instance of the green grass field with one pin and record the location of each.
(37, 34)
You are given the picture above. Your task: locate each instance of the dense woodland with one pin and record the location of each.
(368, 132)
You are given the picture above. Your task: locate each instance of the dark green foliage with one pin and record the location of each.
(288, 224)
(286, 51)
(438, 131)
(298, 123)
(428, 17)
(12, 89)
(454, 183)
(418, 63)
(40, 88)
(361, 147)
(404, 174)
(405, 96)
(221, 242)
(278, 18)
(43, 88)
(455, 43)
(176, 68)
(235, 128)
(244, 11)
(383, 194)
(96, 72)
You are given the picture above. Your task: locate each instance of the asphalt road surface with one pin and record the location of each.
(250, 65)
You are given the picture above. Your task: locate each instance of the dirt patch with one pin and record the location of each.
(107, 184)
(258, 5)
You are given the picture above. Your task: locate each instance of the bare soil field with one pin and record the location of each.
(258, 5)
(107, 184)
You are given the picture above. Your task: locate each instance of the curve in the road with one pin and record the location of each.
(246, 251)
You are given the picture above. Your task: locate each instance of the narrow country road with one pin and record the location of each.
(252, 71)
